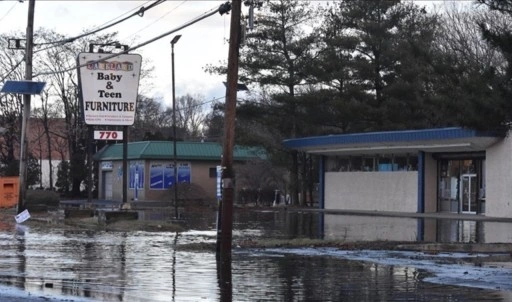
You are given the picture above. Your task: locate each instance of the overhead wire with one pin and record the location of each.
(140, 9)
(170, 11)
(140, 12)
(202, 103)
(197, 19)
(133, 9)
(12, 70)
(10, 9)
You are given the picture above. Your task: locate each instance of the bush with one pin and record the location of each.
(41, 197)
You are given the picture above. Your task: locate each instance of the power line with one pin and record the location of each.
(12, 70)
(53, 44)
(201, 104)
(170, 11)
(140, 13)
(10, 9)
(133, 9)
(221, 9)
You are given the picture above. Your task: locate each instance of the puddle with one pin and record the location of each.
(146, 266)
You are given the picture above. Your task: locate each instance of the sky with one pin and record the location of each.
(201, 44)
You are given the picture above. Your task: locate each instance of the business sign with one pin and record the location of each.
(108, 135)
(109, 87)
(106, 165)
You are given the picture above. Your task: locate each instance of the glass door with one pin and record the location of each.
(468, 193)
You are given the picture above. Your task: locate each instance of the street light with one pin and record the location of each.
(173, 41)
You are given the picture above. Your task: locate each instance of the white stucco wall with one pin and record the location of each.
(497, 232)
(373, 191)
(499, 179)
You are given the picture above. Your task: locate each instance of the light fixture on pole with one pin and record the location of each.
(173, 41)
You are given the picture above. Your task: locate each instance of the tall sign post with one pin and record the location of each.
(108, 88)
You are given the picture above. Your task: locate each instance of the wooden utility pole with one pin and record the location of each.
(26, 108)
(228, 176)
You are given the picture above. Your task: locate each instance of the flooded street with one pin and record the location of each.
(55, 264)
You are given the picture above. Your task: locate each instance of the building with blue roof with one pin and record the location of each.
(453, 170)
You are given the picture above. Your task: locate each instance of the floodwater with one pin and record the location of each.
(53, 264)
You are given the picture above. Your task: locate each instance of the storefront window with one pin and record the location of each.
(367, 163)
(338, 164)
(412, 163)
(386, 164)
(356, 163)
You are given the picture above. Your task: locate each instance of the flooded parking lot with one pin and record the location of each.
(80, 265)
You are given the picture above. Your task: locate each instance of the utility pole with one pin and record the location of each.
(26, 108)
(228, 177)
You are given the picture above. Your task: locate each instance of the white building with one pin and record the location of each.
(418, 171)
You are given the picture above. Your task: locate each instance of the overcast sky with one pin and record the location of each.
(201, 43)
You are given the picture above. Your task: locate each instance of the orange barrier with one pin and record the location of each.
(9, 191)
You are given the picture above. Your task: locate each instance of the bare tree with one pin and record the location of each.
(49, 133)
(11, 105)
(191, 114)
(57, 62)
(258, 180)
(461, 38)
(151, 122)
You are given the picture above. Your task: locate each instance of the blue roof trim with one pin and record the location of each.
(388, 136)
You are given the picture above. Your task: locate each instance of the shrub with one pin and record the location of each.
(41, 197)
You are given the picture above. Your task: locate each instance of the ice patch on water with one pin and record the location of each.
(445, 267)
(10, 293)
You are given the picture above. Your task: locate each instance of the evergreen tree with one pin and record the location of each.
(276, 56)
(499, 36)
(63, 177)
(370, 60)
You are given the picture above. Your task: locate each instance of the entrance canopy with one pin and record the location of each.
(409, 141)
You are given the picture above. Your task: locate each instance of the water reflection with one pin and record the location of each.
(373, 228)
(304, 275)
(142, 266)
(174, 267)
(224, 275)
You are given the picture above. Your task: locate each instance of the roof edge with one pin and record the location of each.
(388, 136)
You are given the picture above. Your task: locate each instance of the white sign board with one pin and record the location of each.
(22, 217)
(108, 135)
(109, 87)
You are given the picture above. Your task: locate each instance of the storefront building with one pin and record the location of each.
(417, 171)
(150, 169)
